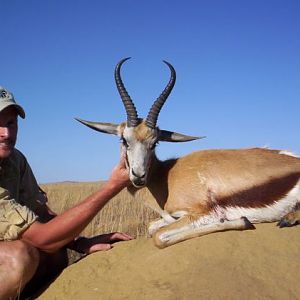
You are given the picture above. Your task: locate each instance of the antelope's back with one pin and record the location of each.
(242, 177)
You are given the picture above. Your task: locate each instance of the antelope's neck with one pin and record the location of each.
(158, 179)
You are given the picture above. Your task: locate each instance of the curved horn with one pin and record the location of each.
(132, 116)
(159, 102)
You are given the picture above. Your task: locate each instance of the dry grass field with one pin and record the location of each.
(123, 213)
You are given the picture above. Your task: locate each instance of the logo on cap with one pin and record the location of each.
(5, 95)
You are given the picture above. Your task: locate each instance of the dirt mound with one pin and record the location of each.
(255, 264)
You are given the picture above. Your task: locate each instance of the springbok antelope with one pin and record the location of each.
(205, 191)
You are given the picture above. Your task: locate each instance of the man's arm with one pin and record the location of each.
(63, 228)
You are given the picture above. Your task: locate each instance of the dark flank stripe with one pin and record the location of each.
(260, 196)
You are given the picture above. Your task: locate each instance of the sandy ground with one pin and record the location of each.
(254, 264)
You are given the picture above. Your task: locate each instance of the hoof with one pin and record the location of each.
(248, 224)
(291, 219)
(285, 222)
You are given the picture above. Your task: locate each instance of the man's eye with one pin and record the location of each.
(11, 124)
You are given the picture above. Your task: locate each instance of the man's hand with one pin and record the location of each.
(100, 242)
(119, 176)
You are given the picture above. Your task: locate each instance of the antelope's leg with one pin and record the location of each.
(166, 219)
(189, 227)
(156, 225)
(291, 219)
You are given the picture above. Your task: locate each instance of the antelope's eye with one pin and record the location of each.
(152, 147)
(124, 142)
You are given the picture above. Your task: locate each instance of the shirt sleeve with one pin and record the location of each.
(30, 193)
(14, 218)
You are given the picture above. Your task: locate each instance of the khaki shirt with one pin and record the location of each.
(19, 196)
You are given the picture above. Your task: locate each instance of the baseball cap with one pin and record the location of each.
(7, 99)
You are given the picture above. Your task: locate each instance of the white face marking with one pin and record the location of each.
(139, 153)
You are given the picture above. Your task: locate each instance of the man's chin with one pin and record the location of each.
(4, 153)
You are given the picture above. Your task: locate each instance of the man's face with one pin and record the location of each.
(8, 131)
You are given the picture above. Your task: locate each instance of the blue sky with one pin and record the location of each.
(237, 63)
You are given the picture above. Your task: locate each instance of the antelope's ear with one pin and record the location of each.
(101, 127)
(170, 136)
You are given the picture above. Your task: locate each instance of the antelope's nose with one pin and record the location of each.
(138, 180)
(140, 176)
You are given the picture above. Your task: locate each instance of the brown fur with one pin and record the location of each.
(246, 178)
(143, 132)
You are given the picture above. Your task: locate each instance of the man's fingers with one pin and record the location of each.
(114, 237)
(99, 247)
(104, 242)
(121, 236)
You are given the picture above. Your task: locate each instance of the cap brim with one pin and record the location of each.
(20, 111)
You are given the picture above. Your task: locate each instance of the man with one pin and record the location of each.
(33, 251)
